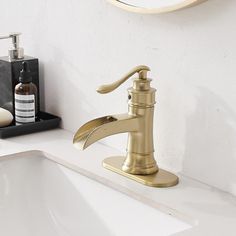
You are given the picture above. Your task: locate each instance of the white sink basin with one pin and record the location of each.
(40, 197)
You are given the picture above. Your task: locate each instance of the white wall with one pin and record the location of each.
(82, 44)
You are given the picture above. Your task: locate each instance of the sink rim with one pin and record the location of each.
(108, 183)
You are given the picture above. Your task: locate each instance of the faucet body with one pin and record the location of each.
(140, 147)
(138, 123)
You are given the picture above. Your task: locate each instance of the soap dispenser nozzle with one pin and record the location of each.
(15, 52)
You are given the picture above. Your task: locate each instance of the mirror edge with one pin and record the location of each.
(184, 4)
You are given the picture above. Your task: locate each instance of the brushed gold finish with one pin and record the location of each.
(142, 70)
(102, 127)
(160, 179)
(142, 10)
(138, 123)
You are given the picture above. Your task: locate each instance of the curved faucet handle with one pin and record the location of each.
(141, 70)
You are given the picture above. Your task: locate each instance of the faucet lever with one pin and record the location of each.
(141, 70)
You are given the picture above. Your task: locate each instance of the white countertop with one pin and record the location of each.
(209, 210)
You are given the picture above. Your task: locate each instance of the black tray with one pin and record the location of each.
(46, 121)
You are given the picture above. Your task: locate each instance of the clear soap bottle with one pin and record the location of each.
(25, 97)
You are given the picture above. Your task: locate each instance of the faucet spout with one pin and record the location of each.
(102, 127)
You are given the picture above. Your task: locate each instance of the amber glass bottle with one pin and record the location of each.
(25, 98)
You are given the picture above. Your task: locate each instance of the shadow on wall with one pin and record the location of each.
(62, 87)
(210, 142)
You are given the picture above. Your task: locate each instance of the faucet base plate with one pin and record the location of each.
(162, 178)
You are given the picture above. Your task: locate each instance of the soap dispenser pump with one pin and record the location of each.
(15, 52)
(10, 67)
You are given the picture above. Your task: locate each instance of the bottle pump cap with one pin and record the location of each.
(15, 52)
(25, 74)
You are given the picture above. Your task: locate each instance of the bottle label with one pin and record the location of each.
(24, 108)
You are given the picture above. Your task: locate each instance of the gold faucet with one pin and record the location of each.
(139, 163)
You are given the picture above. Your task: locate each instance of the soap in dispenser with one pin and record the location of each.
(25, 97)
(10, 67)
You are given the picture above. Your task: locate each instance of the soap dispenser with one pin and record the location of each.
(10, 67)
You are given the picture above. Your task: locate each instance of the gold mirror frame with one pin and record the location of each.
(127, 7)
